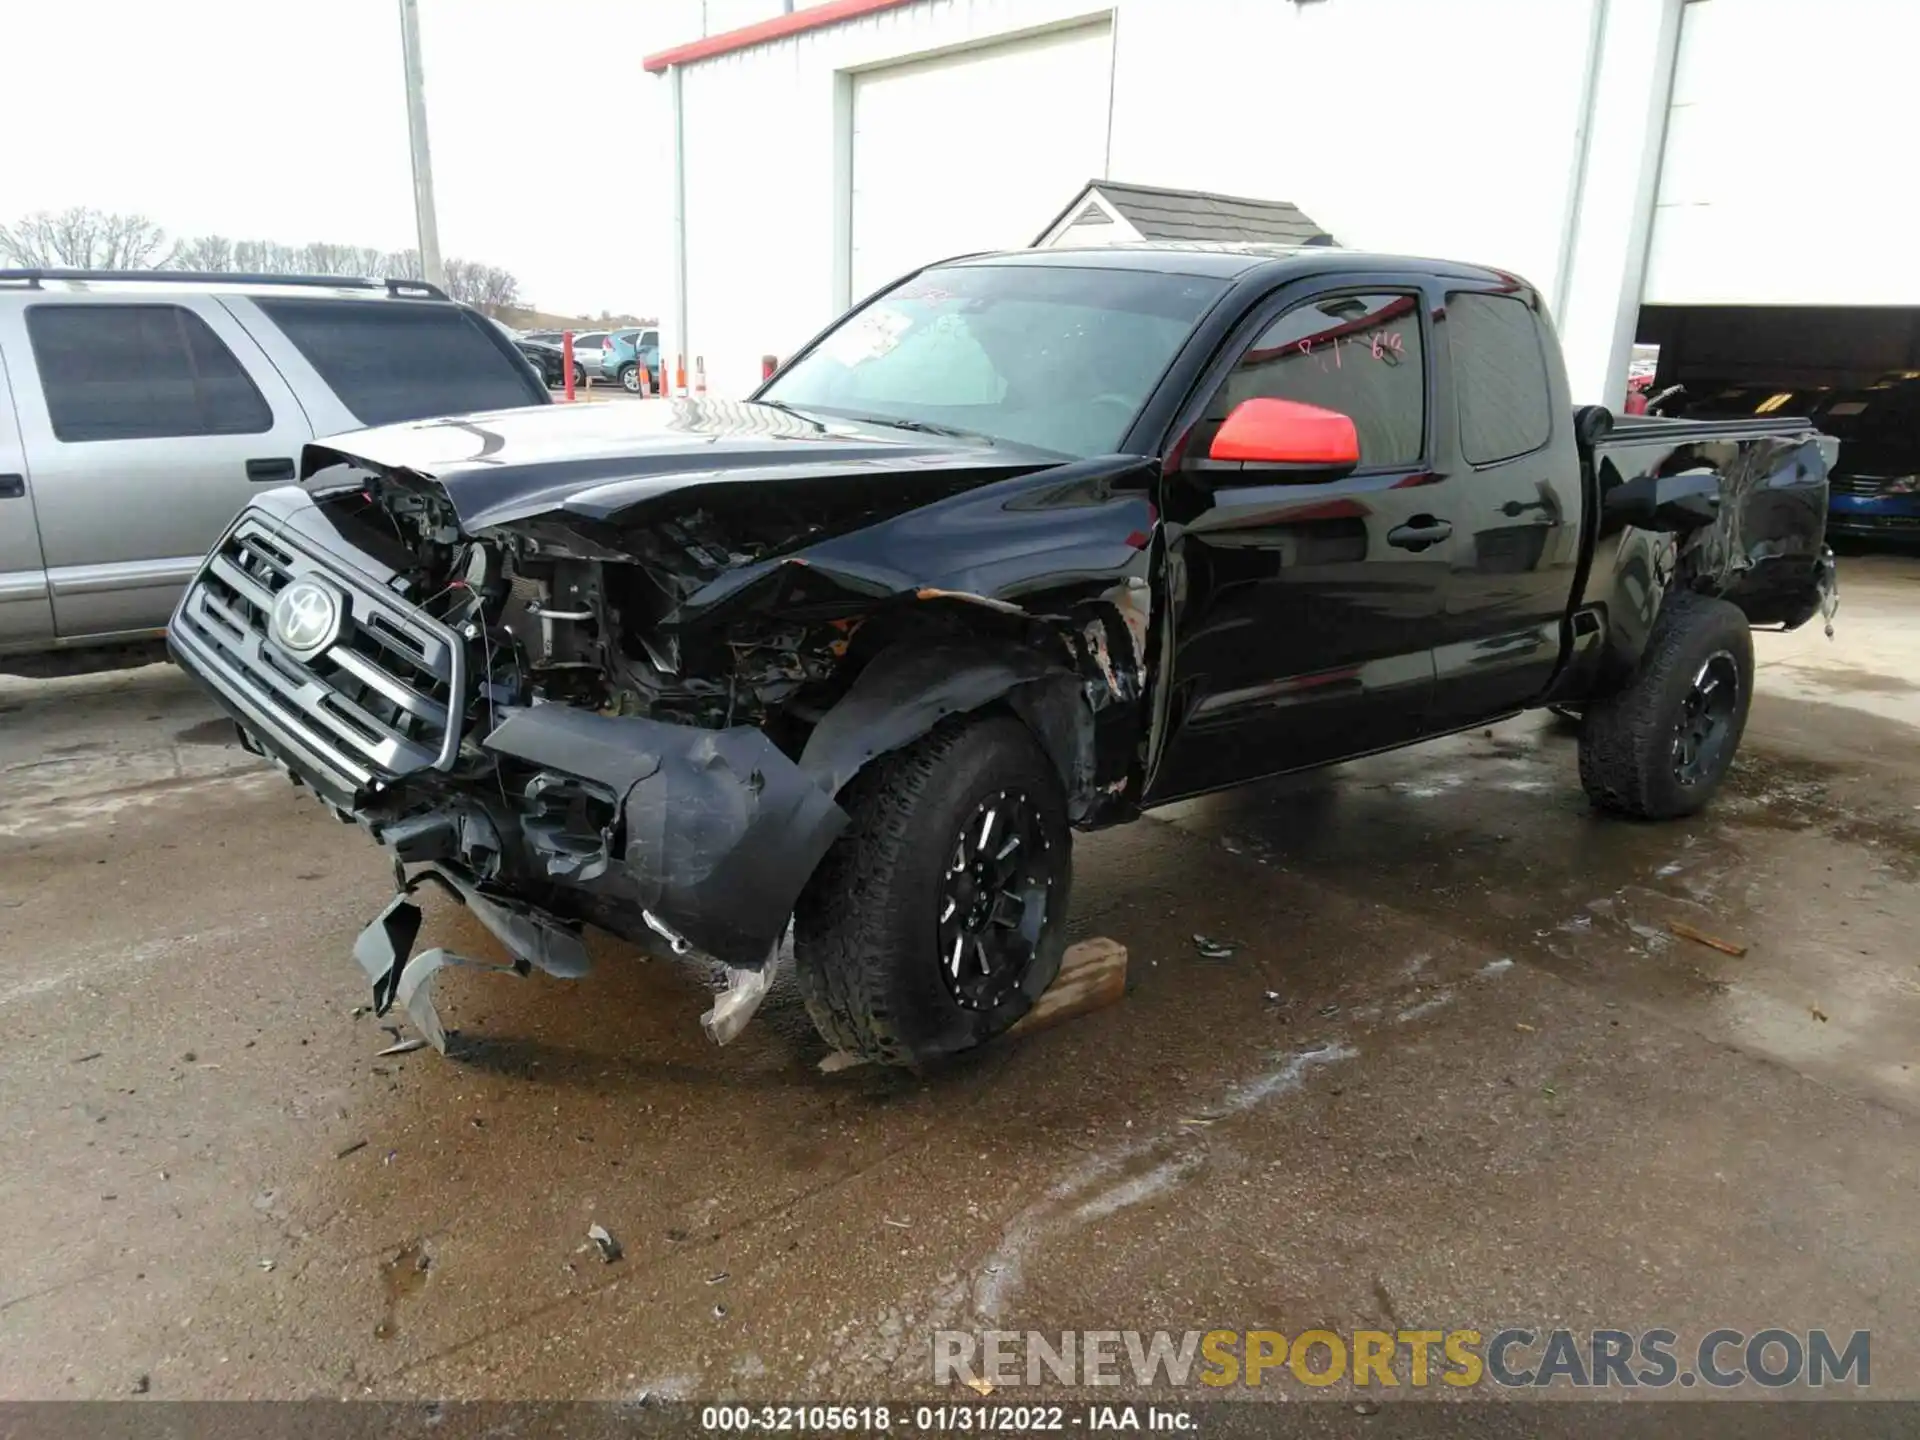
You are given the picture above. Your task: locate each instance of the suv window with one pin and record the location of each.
(592, 340)
(1501, 374)
(1358, 354)
(140, 372)
(392, 360)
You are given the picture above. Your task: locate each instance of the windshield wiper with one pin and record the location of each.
(922, 427)
(782, 405)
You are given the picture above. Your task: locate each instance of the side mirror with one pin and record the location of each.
(1672, 504)
(1262, 437)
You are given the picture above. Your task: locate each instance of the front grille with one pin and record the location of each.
(383, 700)
(1864, 486)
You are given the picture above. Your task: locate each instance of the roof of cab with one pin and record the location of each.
(1227, 260)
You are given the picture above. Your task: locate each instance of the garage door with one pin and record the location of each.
(1787, 175)
(974, 151)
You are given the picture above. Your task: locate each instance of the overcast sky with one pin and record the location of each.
(286, 120)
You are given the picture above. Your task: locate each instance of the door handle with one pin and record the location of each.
(13, 487)
(263, 472)
(1419, 533)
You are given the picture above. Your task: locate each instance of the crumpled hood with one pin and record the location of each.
(599, 460)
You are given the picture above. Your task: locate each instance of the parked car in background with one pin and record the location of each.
(1027, 544)
(589, 346)
(628, 352)
(1874, 490)
(140, 411)
(1875, 487)
(549, 360)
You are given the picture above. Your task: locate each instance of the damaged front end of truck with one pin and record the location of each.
(573, 674)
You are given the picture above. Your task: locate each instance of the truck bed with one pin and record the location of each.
(1765, 549)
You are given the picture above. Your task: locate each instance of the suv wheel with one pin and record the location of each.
(939, 917)
(1660, 747)
(630, 378)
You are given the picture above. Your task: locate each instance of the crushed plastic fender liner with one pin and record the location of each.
(721, 829)
(415, 991)
(734, 1006)
(383, 946)
(539, 940)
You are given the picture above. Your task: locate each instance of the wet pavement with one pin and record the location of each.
(1458, 1071)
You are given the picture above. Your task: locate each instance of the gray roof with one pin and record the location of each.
(1161, 214)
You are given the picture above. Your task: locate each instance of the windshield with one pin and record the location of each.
(1053, 357)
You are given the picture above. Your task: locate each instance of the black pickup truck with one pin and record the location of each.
(1026, 543)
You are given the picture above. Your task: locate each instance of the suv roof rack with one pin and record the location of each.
(32, 278)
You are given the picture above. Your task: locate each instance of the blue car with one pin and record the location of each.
(627, 353)
(1874, 490)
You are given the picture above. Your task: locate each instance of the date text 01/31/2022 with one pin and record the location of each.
(943, 1418)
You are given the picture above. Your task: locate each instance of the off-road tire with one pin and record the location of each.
(865, 927)
(1627, 738)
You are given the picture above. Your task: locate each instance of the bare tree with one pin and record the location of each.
(85, 239)
(92, 240)
(204, 252)
(489, 287)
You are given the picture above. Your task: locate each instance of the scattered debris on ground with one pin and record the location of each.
(1700, 937)
(1211, 949)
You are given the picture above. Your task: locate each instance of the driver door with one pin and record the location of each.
(1304, 610)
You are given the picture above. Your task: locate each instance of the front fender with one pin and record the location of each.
(907, 690)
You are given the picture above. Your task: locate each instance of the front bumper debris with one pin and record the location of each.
(552, 818)
(384, 949)
(704, 839)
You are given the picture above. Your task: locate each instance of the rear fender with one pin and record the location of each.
(1766, 548)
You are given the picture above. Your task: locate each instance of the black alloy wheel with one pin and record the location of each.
(1706, 724)
(994, 898)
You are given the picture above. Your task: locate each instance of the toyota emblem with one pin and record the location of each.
(306, 617)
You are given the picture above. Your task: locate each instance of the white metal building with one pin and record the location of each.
(1680, 153)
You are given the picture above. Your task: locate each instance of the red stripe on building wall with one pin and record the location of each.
(779, 28)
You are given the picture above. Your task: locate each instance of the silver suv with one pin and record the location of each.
(139, 411)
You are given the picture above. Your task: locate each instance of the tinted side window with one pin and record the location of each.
(140, 372)
(1501, 374)
(1358, 354)
(392, 360)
